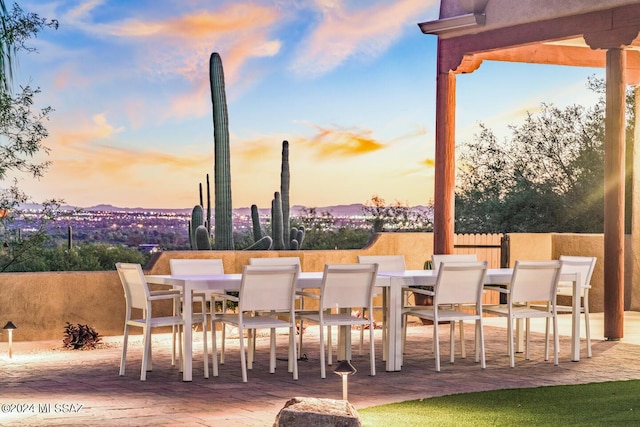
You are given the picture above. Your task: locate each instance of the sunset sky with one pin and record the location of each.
(350, 84)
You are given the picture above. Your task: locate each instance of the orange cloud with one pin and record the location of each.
(428, 162)
(343, 143)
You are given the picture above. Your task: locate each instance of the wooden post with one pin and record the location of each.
(614, 180)
(445, 174)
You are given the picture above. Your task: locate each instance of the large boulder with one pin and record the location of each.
(310, 411)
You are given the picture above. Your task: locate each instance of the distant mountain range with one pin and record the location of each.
(296, 210)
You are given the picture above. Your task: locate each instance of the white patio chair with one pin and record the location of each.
(264, 289)
(532, 282)
(436, 260)
(583, 266)
(385, 263)
(197, 267)
(138, 296)
(457, 284)
(271, 261)
(345, 287)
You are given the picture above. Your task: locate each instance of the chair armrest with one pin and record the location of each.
(497, 289)
(168, 296)
(223, 297)
(419, 291)
(308, 295)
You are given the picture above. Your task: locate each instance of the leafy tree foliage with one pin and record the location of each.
(322, 231)
(548, 175)
(22, 133)
(87, 257)
(395, 217)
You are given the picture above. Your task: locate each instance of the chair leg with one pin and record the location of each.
(322, 367)
(223, 339)
(385, 325)
(546, 339)
(243, 356)
(180, 347)
(329, 346)
(556, 340)
(293, 352)
(587, 328)
(436, 343)
(205, 346)
(479, 326)
(463, 352)
(125, 343)
(372, 354)
(510, 338)
(452, 341)
(174, 331)
(527, 335)
(173, 345)
(272, 348)
(362, 333)
(215, 347)
(301, 334)
(250, 347)
(150, 354)
(146, 353)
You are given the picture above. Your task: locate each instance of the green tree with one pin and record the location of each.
(322, 233)
(22, 135)
(547, 175)
(394, 217)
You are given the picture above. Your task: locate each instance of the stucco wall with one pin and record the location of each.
(41, 303)
(502, 13)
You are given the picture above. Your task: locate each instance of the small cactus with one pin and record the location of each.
(255, 219)
(276, 222)
(203, 242)
(264, 244)
(197, 220)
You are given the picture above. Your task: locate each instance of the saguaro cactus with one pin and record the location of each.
(255, 221)
(285, 178)
(196, 221)
(276, 222)
(222, 165)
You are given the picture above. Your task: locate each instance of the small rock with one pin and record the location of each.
(311, 411)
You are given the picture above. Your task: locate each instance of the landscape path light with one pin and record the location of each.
(10, 327)
(344, 369)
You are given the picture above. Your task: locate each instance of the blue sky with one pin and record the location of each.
(350, 85)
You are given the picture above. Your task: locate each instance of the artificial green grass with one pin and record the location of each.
(615, 403)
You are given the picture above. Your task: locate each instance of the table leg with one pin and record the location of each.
(519, 336)
(187, 316)
(394, 317)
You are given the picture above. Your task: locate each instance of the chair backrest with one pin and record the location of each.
(578, 264)
(136, 291)
(266, 288)
(385, 262)
(285, 260)
(534, 281)
(437, 259)
(347, 285)
(460, 283)
(196, 267)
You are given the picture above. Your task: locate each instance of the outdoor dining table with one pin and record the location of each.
(391, 282)
(495, 276)
(221, 283)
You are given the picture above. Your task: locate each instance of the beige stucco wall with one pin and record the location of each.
(41, 303)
